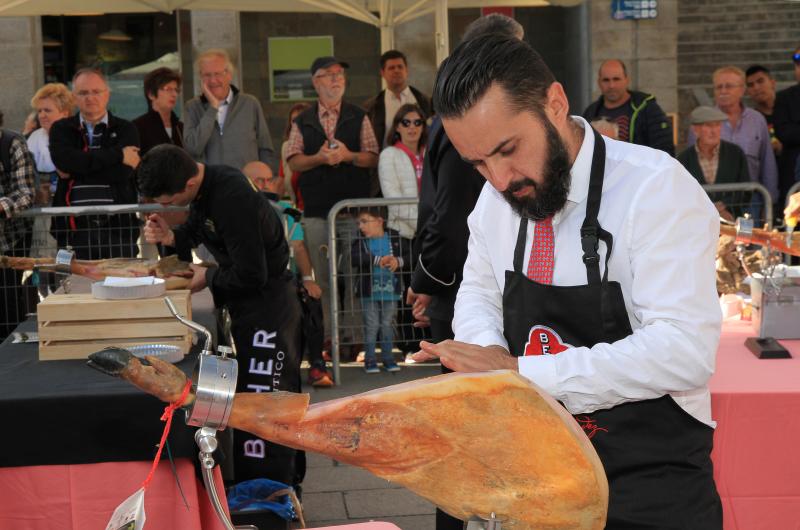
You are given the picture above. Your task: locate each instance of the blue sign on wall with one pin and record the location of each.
(638, 9)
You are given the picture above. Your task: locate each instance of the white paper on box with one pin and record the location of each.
(115, 281)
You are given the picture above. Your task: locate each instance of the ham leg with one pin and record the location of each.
(471, 443)
(176, 273)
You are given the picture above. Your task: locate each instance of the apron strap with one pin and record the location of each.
(591, 232)
(519, 249)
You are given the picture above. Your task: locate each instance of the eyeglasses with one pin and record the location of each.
(796, 58)
(407, 123)
(366, 221)
(170, 90)
(87, 93)
(213, 75)
(727, 86)
(331, 76)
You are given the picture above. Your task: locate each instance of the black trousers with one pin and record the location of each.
(443, 330)
(266, 331)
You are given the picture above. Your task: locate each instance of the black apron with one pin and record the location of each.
(657, 457)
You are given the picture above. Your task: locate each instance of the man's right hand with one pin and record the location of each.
(130, 156)
(419, 303)
(156, 230)
(212, 100)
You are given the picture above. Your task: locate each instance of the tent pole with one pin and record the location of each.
(442, 34)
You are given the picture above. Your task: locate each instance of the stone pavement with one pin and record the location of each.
(338, 494)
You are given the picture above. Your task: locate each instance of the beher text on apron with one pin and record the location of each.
(656, 456)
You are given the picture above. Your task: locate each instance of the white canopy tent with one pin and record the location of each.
(383, 14)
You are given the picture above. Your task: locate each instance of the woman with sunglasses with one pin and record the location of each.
(400, 173)
(400, 166)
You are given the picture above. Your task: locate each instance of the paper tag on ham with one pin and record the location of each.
(130, 514)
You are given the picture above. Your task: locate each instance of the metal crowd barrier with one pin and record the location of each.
(794, 189)
(346, 312)
(92, 232)
(737, 199)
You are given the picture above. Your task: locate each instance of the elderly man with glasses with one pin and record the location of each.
(786, 119)
(95, 154)
(333, 146)
(225, 126)
(746, 128)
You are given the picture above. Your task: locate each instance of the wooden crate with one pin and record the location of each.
(71, 326)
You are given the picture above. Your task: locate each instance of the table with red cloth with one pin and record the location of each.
(756, 404)
(77, 443)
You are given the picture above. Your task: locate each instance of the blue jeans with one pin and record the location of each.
(378, 316)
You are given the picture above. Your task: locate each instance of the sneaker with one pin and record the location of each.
(371, 367)
(391, 367)
(319, 377)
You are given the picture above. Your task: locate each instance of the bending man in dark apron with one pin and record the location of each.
(591, 272)
(245, 235)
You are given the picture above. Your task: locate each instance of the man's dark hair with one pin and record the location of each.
(164, 170)
(374, 211)
(472, 68)
(756, 68)
(495, 24)
(157, 79)
(393, 54)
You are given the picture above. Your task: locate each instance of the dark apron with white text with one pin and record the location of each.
(657, 457)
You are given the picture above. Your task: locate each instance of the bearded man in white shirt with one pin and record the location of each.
(591, 272)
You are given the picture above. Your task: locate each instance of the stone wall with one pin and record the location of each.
(714, 33)
(23, 70)
(648, 47)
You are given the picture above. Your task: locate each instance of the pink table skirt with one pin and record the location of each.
(83, 497)
(756, 403)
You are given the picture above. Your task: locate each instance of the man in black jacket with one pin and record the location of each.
(786, 118)
(382, 108)
(95, 154)
(640, 119)
(245, 235)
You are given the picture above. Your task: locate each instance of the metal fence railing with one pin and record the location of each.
(367, 295)
(736, 199)
(92, 232)
(794, 189)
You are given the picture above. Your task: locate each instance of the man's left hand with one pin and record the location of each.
(464, 357)
(347, 154)
(198, 282)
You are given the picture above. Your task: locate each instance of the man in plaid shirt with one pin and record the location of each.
(16, 194)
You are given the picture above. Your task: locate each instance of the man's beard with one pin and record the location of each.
(550, 196)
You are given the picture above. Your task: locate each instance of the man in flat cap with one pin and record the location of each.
(712, 160)
(333, 146)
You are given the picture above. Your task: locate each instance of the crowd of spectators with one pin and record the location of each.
(334, 150)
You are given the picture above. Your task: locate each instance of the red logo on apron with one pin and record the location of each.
(544, 341)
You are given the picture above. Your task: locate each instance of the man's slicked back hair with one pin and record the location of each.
(468, 73)
(164, 170)
(496, 24)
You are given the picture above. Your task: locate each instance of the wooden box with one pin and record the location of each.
(71, 326)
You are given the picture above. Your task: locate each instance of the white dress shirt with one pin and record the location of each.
(665, 238)
(393, 102)
(39, 146)
(222, 111)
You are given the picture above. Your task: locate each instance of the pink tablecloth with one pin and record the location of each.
(757, 442)
(83, 497)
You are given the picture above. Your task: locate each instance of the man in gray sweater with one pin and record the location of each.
(224, 125)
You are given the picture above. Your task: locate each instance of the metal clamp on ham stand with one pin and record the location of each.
(770, 314)
(62, 265)
(476, 523)
(214, 385)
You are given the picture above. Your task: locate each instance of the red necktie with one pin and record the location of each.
(540, 265)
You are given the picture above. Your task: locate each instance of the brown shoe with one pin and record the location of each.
(319, 378)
